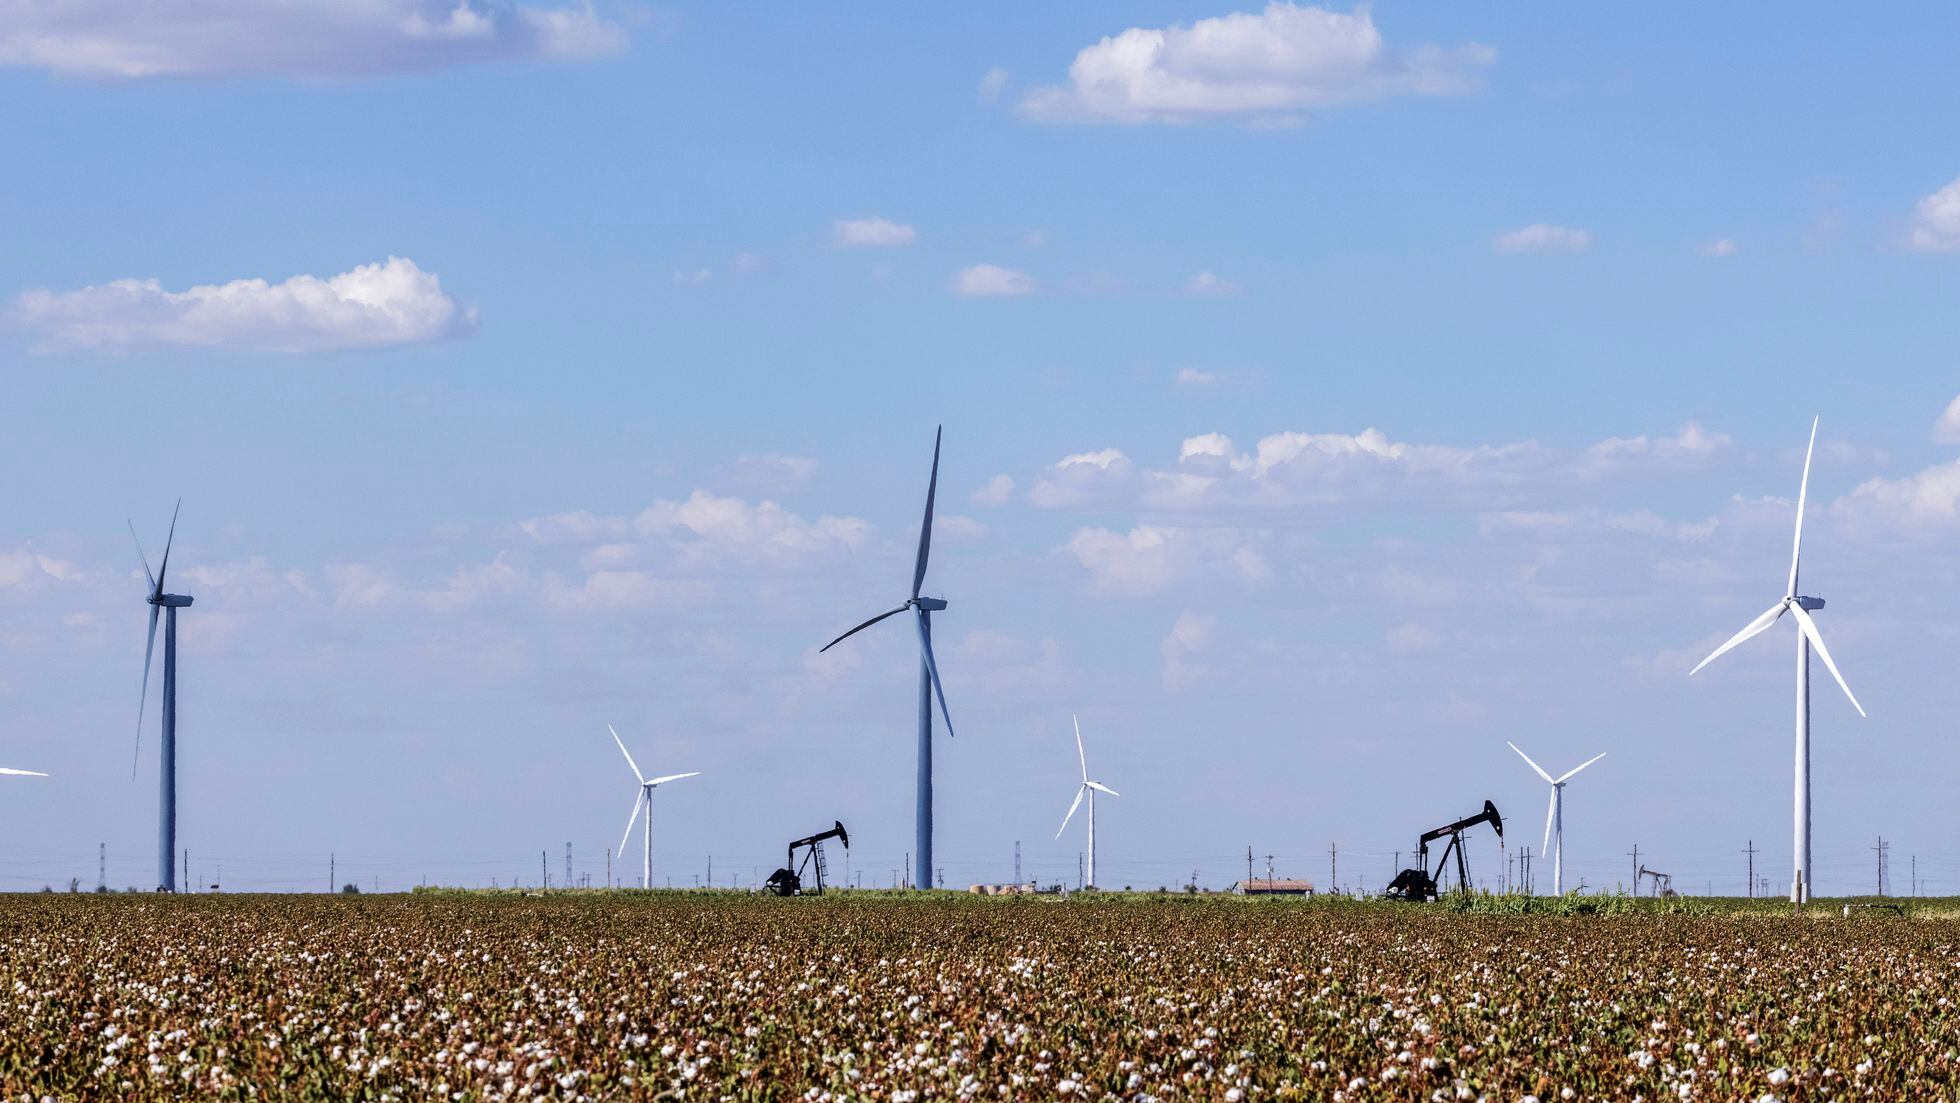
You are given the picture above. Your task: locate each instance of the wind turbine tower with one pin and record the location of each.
(643, 797)
(1808, 637)
(167, 604)
(922, 608)
(1090, 788)
(1555, 814)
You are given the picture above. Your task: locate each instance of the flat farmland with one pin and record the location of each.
(700, 996)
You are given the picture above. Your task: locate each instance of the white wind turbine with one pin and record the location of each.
(1555, 814)
(644, 796)
(1091, 788)
(1807, 638)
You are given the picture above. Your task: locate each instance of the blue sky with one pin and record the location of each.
(599, 350)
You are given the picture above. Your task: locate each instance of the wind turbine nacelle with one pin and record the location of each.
(172, 601)
(1810, 604)
(930, 604)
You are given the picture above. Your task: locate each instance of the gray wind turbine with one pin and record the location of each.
(1091, 788)
(167, 605)
(1807, 637)
(643, 797)
(922, 608)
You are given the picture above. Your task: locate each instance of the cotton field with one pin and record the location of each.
(692, 996)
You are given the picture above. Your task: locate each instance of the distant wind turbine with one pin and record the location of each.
(1091, 788)
(1807, 637)
(643, 796)
(168, 604)
(1554, 843)
(923, 608)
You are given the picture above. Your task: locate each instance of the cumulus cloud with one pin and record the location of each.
(998, 491)
(372, 306)
(316, 39)
(1289, 469)
(1187, 637)
(1947, 429)
(1924, 499)
(1935, 225)
(992, 281)
(873, 232)
(1195, 378)
(1208, 284)
(1543, 237)
(1148, 558)
(1264, 68)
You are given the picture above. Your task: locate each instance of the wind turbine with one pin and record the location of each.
(1807, 638)
(1091, 788)
(168, 604)
(923, 608)
(1555, 814)
(644, 796)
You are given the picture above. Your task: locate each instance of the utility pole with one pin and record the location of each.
(102, 866)
(568, 865)
(609, 883)
(908, 869)
(1333, 867)
(1524, 864)
(941, 880)
(711, 871)
(1081, 877)
(1636, 869)
(1880, 851)
(1017, 861)
(1248, 867)
(544, 871)
(330, 873)
(1751, 851)
(1398, 867)
(187, 868)
(1915, 875)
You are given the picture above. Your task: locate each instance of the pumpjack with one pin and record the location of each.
(1417, 883)
(1663, 884)
(788, 881)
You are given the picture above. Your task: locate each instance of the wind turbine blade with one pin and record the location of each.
(860, 628)
(628, 754)
(1080, 757)
(1803, 489)
(1817, 641)
(1528, 761)
(1551, 810)
(142, 701)
(22, 773)
(1071, 813)
(932, 670)
(639, 798)
(147, 573)
(1568, 774)
(163, 568)
(1101, 788)
(925, 527)
(672, 777)
(1768, 618)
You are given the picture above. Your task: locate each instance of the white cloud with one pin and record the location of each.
(692, 276)
(1148, 558)
(26, 568)
(1210, 284)
(1947, 429)
(318, 39)
(293, 38)
(993, 84)
(1291, 469)
(1543, 237)
(998, 491)
(772, 474)
(1188, 636)
(991, 280)
(1268, 68)
(1720, 247)
(861, 232)
(372, 306)
(1197, 377)
(1935, 223)
(1927, 498)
